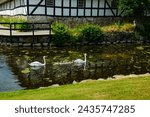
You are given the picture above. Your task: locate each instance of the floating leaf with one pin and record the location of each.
(27, 57)
(147, 52)
(25, 71)
(140, 48)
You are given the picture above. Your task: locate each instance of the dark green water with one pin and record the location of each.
(102, 62)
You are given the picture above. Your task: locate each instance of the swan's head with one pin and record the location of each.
(85, 54)
(44, 57)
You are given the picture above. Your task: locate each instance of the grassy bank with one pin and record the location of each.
(127, 88)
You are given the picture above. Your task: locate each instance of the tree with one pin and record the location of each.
(134, 8)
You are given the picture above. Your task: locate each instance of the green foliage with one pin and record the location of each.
(13, 20)
(23, 26)
(90, 33)
(85, 32)
(137, 35)
(143, 32)
(61, 34)
(133, 7)
(118, 27)
(119, 23)
(146, 30)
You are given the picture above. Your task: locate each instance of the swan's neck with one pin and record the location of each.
(84, 58)
(44, 60)
(84, 66)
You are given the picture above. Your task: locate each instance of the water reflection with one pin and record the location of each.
(2, 61)
(8, 81)
(102, 62)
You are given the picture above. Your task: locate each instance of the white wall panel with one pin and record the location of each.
(101, 12)
(20, 11)
(66, 3)
(73, 12)
(88, 12)
(95, 3)
(66, 12)
(108, 13)
(101, 4)
(40, 10)
(80, 12)
(88, 3)
(58, 2)
(74, 3)
(50, 11)
(94, 12)
(58, 11)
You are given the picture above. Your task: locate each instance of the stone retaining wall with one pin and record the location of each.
(109, 38)
(26, 40)
(73, 21)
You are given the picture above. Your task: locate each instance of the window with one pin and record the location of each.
(50, 2)
(22, 2)
(113, 4)
(81, 3)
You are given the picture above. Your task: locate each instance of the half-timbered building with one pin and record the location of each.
(65, 8)
(60, 8)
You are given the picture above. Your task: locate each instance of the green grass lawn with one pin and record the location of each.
(127, 88)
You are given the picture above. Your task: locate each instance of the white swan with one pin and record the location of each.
(80, 61)
(38, 64)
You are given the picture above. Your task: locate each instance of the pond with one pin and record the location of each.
(103, 62)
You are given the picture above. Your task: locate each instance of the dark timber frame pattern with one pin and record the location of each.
(107, 6)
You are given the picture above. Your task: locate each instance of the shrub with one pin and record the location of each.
(20, 27)
(75, 34)
(90, 33)
(61, 34)
(144, 31)
(125, 27)
(147, 30)
(23, 26)
(133, 7)
(119, 23)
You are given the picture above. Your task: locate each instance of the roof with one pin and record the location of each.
(2, 1)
